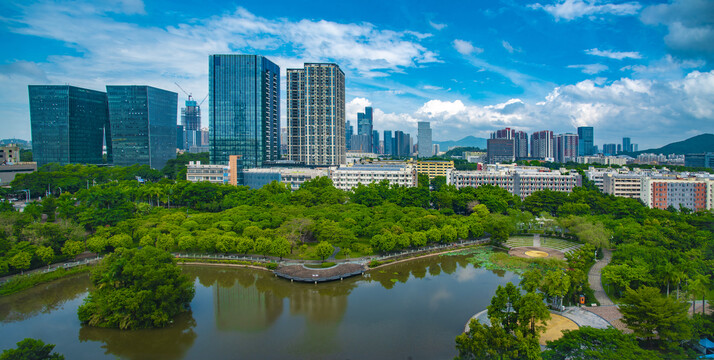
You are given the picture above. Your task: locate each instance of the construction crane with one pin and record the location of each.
(204, 99)
(184, 91)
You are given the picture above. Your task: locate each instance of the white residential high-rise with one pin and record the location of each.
(424, 140)
(316, 114)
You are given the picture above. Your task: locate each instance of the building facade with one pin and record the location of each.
(609, 149)
(586, 143)
(388, 143)
(243, 109)
(348, 177)
(520, 181)
(9, 154)
(426, 148)
(316, 115)
(691, 193)
(542, 144)
(434, 168)
(143, 125)
(566, 148)
(500, 150)
(217, 174)
(295, 177)
(703, 160)
(69, 125)
(623, 185)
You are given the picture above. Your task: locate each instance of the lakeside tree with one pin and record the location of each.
(31, 349)
(46, 254)
(136, 288)
(324, 249)
(655, 317)
(21, 261)
(588, 343)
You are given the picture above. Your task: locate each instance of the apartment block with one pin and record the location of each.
(623, 185)
(520, 181)
(348, 177)
(692, 193)
(434, 168)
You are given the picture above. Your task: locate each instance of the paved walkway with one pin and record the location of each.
(580, 316)
(595, 280)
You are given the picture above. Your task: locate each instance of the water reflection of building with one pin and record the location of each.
(254, 302)
(245, 309)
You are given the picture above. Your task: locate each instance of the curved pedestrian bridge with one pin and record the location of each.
(315, 275)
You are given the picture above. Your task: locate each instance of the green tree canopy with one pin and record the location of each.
(136, 288)
(31, 349)
(588, 343)
(653, 316)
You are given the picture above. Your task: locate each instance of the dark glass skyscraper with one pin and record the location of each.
(143, 124)
(243, 109)
(388, 143)
(586, 143)
(68, 124)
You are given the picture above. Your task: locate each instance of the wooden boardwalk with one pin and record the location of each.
(306, 274)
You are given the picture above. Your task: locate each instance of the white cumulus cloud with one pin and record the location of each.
(573, 9)
(465, 48)
(617, 55)
(590, 69)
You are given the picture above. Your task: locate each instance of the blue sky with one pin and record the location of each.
(628, 68)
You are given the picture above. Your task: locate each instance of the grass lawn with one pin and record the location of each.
(518, 241)
(557, 244)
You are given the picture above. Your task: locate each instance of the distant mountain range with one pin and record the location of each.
(697, 144)
(469, 141)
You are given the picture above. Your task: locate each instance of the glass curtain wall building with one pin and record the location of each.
(586, 143)
(244, 109)
(424, 140)
(69, 124)
(143, 125)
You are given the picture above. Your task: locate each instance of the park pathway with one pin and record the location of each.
(594, 278)
(607, 309)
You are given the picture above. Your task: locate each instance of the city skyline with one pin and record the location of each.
(565, 65)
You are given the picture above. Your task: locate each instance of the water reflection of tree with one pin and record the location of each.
(43, 298)
(170, 342)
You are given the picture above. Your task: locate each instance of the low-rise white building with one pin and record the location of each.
(295, 177)
(348, 177)
(518, 180)
(219, 174)
(623, 185)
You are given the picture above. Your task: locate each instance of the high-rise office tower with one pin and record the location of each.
(388, 143)
(424, 140)
(586, 143)
(520, 141)
(542, 144)
(69, 124)
(609, 149)
(243, 109)
(181, 138)
(401, 144)
(500, 150)
(375, 142)
(520, 145)
(190, 123)
(316, 114)
(191, 115)
(566, 148)
(143, 124)
(349, 131)
(626, 144)
(365, 130)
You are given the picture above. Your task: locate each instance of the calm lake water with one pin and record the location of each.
(412, 310)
